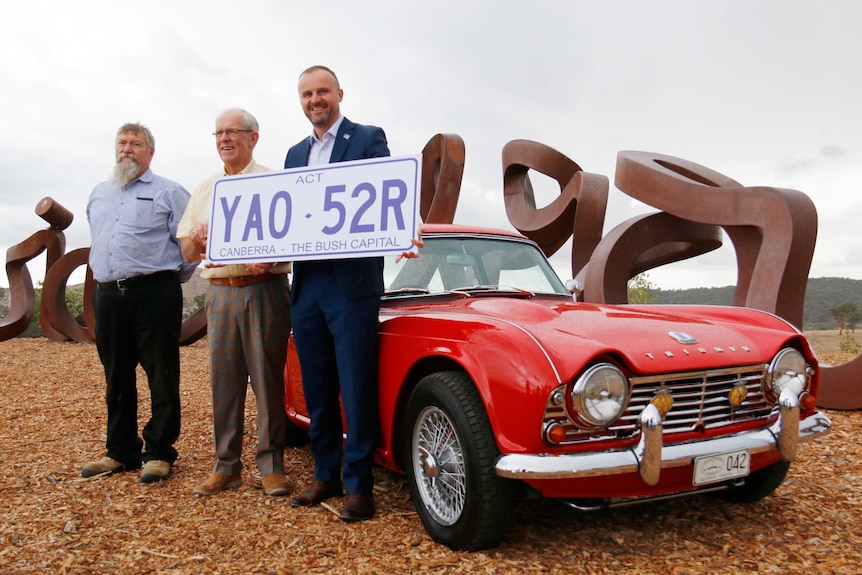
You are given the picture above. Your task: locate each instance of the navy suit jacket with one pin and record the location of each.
(357, 277)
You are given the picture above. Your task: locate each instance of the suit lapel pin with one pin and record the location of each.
(346, 136)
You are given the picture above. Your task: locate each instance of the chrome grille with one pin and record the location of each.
(700, 403)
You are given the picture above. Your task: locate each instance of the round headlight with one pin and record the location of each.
(600, 395)
(788, 370)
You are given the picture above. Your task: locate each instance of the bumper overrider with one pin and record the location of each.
(650, 456)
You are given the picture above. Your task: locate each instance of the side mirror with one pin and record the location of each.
(575, 288)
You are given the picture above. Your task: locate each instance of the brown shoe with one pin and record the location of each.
(318, 491)
(275, 484)
(358, 507)
(216, 483)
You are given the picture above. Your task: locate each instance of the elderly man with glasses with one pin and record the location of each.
(248, 323)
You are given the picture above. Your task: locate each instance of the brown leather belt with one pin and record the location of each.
(242, 281)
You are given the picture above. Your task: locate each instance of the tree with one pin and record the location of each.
(641, 289)
(846, 316)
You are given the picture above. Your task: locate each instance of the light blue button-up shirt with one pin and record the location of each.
(321, 151)
(133, 228)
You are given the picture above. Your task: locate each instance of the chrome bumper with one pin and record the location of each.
(650, 456)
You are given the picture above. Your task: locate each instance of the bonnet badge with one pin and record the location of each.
(682, 337)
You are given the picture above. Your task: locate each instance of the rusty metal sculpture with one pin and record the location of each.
(773, 229)
(640, 244)
(839, 385)
(442, 170)
(23, 296)
(578, 212)
(54, 309)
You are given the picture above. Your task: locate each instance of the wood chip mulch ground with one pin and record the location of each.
(52, 421)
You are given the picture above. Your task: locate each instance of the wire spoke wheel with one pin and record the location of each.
(439, 469)
(450, 453)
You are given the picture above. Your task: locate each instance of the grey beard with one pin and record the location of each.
(124, 172)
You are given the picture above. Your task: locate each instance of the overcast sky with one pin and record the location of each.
(765, 92)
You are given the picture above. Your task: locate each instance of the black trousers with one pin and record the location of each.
(141, 325)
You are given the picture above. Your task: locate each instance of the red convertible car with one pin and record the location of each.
(495, 381)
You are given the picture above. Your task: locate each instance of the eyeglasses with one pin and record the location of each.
(229, 133)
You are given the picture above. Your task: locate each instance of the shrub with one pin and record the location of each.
(848, 343)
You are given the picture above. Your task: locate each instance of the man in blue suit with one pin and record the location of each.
(334, 307)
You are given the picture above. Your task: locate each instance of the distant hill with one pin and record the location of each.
(821, 295)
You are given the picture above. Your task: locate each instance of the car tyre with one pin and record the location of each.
(758, 485)
(450, 456)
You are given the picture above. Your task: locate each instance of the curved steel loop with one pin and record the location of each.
(773, 230)
(639, 244)
(442, 171)
(55, 312)
(579, 211)
(22, 295)
(839, 385)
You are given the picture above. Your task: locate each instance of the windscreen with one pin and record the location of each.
(447, 263)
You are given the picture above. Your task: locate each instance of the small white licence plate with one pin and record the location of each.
(712, 468)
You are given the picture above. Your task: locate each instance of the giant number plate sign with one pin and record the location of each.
(343, 210)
